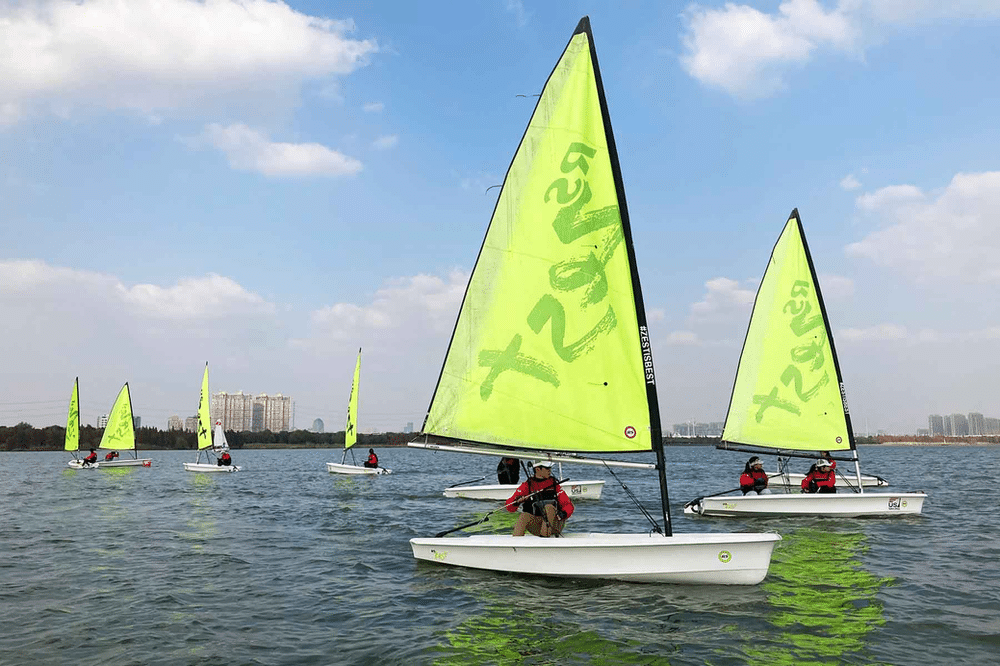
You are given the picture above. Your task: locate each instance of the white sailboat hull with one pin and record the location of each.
(717, 559)
(340, 468)
(210, 468)
(107, 464)
(840, 505)
(501, 491)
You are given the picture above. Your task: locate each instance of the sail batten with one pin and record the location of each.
(788, 393)
(550, 350)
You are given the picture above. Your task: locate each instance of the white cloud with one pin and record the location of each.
(745, 52)
(655, 314)
(374, 107)
(849, 182)
(166, 56)
(950, 235)
(748, 53)
(516, 7)
(878, 333)
(385, 142)
(724, 298)
(836, 287)
(682, 338)
(212, 296)
(250, 150)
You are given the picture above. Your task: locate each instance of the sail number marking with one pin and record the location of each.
(809, 356)
(587, 273)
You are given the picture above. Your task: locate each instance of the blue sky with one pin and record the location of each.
(269, 186)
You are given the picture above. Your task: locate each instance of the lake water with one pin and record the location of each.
(284, 563)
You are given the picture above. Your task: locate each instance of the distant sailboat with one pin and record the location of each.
(119, 435)
(789, 398)
(351, 433)
(550, 357)
(72, 443)
(205, 437)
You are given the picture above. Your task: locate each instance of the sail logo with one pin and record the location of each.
(647, 355)
(894, 503)
(809, 356)
(584, 274)
(725, 556)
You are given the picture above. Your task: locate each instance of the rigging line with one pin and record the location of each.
(635, 500)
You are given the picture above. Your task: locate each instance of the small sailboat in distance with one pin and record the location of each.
(119, 435)
(205, 443)
(72, 443)
(789, 398)
(550, 358)
(351, 434)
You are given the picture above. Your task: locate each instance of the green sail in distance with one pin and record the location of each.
(351, 429)
(204, 416)
(120, 431)
(546, 353)
(73, 420)
(788, 392)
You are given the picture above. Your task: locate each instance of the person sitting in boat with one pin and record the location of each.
(372, 461)
(820, 479)
(225, 459)
(825, 455)
(508, 471)
(111, 455)
(545, 505)
(91, 458)
(754, 477)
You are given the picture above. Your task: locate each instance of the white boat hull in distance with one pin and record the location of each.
(704, 559)
(78, 464)
(851, 480)
(839, 505)
(210, 468)
(108, 464)
(501, 491)
(339, 468)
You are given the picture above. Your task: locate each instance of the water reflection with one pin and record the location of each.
(821, 598)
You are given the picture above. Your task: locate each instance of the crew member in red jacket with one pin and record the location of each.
(754, 477)
(372, 461)
(544, 504)
(111, 455)
(90, 459)
(820, 479)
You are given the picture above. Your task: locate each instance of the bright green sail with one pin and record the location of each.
(204, 417)
(548, 352)
(120, 431)
(73, 420)
(788, 392)
(351, 429)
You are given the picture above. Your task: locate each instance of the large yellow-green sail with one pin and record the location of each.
(204, 416)
(120, 431)
(788, 392)
(73, 420)
(550, 351)
(351, 429)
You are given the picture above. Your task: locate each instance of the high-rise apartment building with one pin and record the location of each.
(992, 426)
(191, 424)
(977, 424)
(317, 425)
(956, 425)
(241, 412)
(102, 421)
(935, 424)
(175, 423)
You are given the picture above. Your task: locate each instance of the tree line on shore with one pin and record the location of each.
(25, 437)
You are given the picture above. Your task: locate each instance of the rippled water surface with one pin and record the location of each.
(287, 564)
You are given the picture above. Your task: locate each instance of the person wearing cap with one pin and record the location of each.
(372, 461)
(821, 478)
(754, 477)
(91, 458)
(545, 507)
(508, 471)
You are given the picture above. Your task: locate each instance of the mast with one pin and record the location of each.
(656, 432)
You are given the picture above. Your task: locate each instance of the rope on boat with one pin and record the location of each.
(635, 500)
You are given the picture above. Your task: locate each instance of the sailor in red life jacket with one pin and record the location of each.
(111, 455)
(545, 505)
(825, 455)
(91, 458)
(820, 479)
(754, 477)
(372, 461)
(225, 460)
